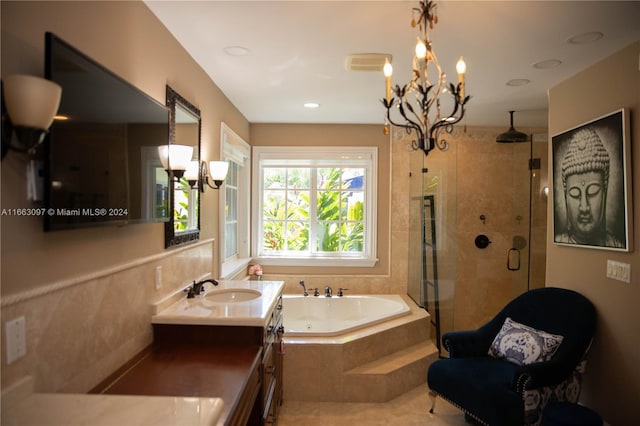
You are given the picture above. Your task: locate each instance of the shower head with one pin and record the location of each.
(512, 135)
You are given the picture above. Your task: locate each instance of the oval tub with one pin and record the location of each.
(331, 316)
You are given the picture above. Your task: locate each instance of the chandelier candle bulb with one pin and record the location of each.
(388, 71)
(461, 67)
(421, 49)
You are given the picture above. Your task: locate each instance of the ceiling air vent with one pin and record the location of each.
(367, 61)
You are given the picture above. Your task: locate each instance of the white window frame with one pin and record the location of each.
(234, 148)
(364, 157)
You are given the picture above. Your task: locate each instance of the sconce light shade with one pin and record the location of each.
(218, 170)
(31, 103)
(193, 172)
(175, 158)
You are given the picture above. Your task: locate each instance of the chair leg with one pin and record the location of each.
(432, 396)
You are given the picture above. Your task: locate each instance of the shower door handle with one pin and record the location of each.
(513, 259)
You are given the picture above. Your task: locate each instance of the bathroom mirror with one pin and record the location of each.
(184, 129)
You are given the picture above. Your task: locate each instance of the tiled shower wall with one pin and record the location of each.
(82, 329)
(478, 177)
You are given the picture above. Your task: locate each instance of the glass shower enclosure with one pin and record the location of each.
(477, 227)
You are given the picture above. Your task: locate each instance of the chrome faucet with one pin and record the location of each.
(304, 292)
(328, 292)
(316, 292)
(198, 287)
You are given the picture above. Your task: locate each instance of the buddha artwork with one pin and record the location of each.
(589, 201)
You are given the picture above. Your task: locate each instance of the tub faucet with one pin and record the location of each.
(328, 292)
(198, 287)
(341, 291)
(316, 292)
(304, 292)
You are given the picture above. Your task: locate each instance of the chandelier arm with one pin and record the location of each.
(409, 127)
(419, 142)
(446, 123)
(419, 120)
(412, 124)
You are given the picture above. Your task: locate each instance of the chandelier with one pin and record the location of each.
(418, 102)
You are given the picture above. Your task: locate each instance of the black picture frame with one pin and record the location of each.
(592, 205)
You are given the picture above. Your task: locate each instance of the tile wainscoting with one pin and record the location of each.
(81, 329)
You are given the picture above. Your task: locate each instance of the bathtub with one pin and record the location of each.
(331, 316)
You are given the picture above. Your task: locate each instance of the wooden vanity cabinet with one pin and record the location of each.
(273, 350)
(240, 364)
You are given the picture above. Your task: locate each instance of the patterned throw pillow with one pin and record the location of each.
(524, 345)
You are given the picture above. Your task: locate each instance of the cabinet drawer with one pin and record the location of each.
(270, 414)
(269, 370)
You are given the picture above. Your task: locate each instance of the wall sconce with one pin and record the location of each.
(175, 159)
(31, 104)
(201, 174)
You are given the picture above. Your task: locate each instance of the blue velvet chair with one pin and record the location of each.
(492, 390)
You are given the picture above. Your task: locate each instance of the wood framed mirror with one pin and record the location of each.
(184, 200)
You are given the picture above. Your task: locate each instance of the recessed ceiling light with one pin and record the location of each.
(518, 82)
(549, 63)
(583, 38)
(236, 51)
(311, 105)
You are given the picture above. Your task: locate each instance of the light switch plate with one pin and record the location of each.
(16, 339)
(619, 271)
(158, 278)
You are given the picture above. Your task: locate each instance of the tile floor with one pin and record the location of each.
(409, 409)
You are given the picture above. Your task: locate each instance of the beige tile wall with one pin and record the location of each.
(81, 330)
(474, 176)
(477, 176)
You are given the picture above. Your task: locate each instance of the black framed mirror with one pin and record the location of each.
(184, 201)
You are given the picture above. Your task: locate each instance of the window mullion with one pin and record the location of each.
(313, 211)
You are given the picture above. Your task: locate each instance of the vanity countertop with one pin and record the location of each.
(201, 310)
(45, 409)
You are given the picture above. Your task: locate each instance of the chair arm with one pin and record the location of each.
(540, 374)
(465, 344)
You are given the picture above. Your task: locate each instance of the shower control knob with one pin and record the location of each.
(482, 241)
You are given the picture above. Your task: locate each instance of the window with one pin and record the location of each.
(234, 226)
(315, 206)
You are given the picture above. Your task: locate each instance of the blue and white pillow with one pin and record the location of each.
(524, 345)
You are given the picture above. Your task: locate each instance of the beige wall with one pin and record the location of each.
(336, 135)
(380, 278)
(612, 381)
(86, 294)
(126, 38)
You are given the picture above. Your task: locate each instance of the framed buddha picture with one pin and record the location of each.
(592, 204)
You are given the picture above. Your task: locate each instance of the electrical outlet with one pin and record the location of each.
(16, 339)
(619, 271)
(158, 278)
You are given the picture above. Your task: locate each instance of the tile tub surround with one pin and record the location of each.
(82, 329)
(373, 364)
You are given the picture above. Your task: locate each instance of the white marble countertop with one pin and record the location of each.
(49, 409)
(201, 310)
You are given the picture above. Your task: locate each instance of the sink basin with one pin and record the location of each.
(232, 295)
